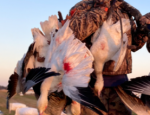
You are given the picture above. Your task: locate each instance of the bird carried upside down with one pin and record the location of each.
(67, 67)
(108, 43)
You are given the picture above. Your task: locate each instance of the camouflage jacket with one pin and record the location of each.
(89, 15)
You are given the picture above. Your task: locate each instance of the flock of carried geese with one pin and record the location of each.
(66, 66)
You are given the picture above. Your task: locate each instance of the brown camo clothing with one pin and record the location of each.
(85, 21)
(147, 16)
(89, 15)
(113, 103)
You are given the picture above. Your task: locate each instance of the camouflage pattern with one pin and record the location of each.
(86, 19)
(56, 104)
(113, 103)
(148, 45)
(89, 15)
(144, 21)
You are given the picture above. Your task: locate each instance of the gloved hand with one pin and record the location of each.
(145, 23)
(145, 19)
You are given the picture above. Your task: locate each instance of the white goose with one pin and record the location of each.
(108, 45)
(65, 55)
(72, 60)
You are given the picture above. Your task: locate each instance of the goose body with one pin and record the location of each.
(69, 57)
(67, 66)
(108, 45)
(15, 106)
(141, 106)
(26, 111)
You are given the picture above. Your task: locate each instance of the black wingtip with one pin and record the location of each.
(12, 85)
(28, 85)
(36, 76)
(86, 97)
(60, 16)
(25, 90)
(139, 85)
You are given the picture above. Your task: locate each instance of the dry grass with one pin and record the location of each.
(133, 114)
(29, 100)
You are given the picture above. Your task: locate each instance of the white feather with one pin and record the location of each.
(38, 64)
(49, 26)
(41, 46)
(107, 46)
(26, 111)
(18, 68)
(72, 57)
(41, 42)
(63, 33)
(15, 106)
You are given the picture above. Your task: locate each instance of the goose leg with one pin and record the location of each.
(74, 108)
(99, 82)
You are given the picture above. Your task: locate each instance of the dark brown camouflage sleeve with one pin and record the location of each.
(140, 37)
(137, 37)
(87, 18)
(145, 20)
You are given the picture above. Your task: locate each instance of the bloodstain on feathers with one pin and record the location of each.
(102, 46)
(57, 40)
(67, 67)
(60, 84)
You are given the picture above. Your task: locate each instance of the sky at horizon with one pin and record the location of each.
(19, 17)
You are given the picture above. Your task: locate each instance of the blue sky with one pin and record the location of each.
(18, 17)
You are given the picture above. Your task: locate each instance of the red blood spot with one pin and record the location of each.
(72, 11)
(60, 84)
(102, 46)
(85, 56)
(106, 9)
(57, 40)
(67, 67)
(45, 107)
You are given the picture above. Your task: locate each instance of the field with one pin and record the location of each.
(29, 100)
